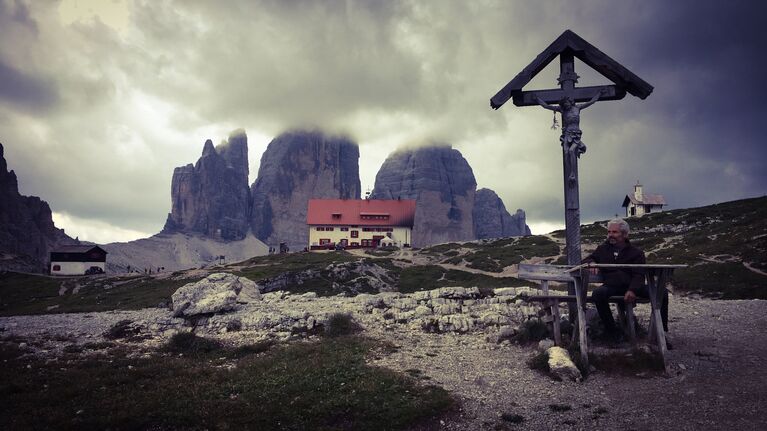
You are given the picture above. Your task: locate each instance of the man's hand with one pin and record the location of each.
(593, 271)
(630, 297)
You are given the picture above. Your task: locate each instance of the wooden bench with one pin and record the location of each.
(656, 277)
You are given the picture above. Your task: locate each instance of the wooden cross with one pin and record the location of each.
(567, 47)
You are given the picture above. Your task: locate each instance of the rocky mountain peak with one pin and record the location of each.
(208, 149)
(212, 197)
(440, 179)
(299, 165)
(27, 232)
(492, 220)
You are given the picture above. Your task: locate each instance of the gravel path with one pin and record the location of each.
(718, 378)
(717, 381)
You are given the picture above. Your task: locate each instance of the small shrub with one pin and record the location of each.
(430, 325)
(252, 349)
(600, 410)
(340, 324)
(560, 407)
(121, 330)
(98, 345)
(539, 362)
(513, 418)
(532, 330)
(74, 348)
(190, 344)
(234, 325)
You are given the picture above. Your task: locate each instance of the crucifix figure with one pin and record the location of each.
(571, 119)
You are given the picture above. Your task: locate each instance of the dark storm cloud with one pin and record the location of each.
(27, 92)
(137, 92)
(703, 141)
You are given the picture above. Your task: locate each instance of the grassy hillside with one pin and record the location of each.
(724, 244)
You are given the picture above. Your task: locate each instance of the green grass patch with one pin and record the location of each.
(428, 277)
(497, 255)
(263, 267)
(324, 385)
(36, 294)
(729, 280)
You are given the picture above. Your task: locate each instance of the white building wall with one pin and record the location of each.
(75, 268)
(400, 235)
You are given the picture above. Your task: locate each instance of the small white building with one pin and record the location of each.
(78, 260)
(640, 203)
(359, 223)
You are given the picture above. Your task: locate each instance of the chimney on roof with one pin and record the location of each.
(638, 191)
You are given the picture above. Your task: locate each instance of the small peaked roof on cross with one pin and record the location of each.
(623, 78)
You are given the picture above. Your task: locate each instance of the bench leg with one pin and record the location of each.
(557, 326)
(582, 326)
(661, 337)
(553, 311)
(631, 323)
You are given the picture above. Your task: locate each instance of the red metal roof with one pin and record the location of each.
(376, 212)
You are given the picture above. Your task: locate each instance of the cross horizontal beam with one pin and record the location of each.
(579, 94)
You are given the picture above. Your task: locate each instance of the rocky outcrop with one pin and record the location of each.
(27, 232)
(212, 197)
(492, 220)
(443, 185)
(215, 293)
(298, 166)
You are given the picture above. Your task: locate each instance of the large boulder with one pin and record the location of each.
(298, 166)
(216, 293)
(27, 232)
(492, 220)
(443, 185)
(212, 197)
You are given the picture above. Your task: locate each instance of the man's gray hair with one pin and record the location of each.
(622, 225)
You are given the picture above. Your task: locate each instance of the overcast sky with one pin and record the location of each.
(100, 100)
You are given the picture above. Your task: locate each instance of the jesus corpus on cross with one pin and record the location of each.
(571, 119)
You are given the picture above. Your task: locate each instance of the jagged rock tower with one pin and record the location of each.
(297, 166)
(442, 183)
(27, 232)
(212, 197)
(492, 220)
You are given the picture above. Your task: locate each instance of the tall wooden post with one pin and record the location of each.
(568, 46)
(567, 80)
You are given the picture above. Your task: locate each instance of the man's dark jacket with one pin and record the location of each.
(631, 277)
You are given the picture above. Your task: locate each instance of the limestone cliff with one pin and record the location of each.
(298, 166)
(492, 220)
(27, 232)
(442, 183)
(212, 197)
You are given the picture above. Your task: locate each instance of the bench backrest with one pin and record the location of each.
(560, 273)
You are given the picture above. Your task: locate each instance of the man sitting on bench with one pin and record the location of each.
(626, 282)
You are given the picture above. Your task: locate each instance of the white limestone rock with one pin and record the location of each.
(561, 366)
(545, 344)
(216, 293)
(505, 291)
